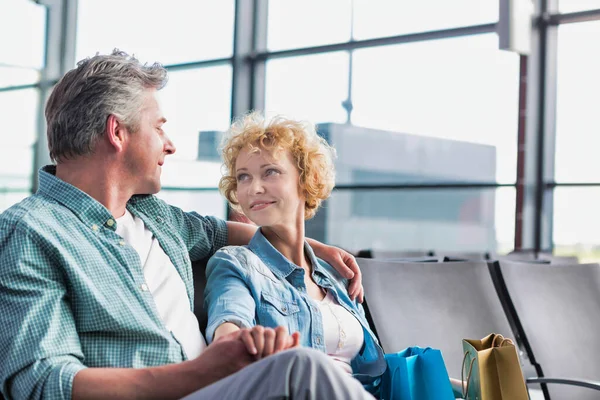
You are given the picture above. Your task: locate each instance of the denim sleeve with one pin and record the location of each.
(40, 346)
(227, 297)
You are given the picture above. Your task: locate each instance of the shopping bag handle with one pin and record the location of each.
(465, 392)
(503, 341)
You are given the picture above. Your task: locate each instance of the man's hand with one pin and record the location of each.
(222, 358)
(261, 342)
(344, 263)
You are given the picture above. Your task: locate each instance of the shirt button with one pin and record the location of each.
(144, 287)
(94, 227)
(122, 243)
(319, 340)
(110, 222)
(159, 220)
(284, 309)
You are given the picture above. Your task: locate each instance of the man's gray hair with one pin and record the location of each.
(81, 102)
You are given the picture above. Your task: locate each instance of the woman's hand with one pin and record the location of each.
(262, 342)
(344, 263)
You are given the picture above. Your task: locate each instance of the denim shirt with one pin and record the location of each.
(256, 285)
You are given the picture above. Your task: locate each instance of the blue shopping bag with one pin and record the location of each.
(416, 374)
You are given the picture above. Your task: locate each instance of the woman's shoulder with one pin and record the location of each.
(237, 257)
(332, 273)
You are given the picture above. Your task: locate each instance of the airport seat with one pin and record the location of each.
(557, 311)
(199, 276)
(432, 304)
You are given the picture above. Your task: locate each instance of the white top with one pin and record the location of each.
(165, 284)
(342, 332)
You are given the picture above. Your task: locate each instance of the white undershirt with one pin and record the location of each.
(165, 284)
(342, 332)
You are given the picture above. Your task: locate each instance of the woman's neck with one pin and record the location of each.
(289, 241)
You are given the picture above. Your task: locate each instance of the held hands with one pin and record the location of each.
(345, 264)
(261, 342)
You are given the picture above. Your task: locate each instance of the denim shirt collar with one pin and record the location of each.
(277, 263)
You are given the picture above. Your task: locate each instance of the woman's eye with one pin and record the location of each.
(242, 177)
(271, 171)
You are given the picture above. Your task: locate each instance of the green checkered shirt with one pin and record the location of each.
(72, 293)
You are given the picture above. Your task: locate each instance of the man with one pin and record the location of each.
(96, 290)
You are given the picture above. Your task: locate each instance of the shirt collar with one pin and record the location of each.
(277, 263)
(86, 208)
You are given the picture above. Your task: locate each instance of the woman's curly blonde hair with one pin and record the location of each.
(310, 153)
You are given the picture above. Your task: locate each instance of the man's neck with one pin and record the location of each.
(101, 182)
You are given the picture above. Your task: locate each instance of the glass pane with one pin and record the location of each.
(24, 23)
(391, 17)
(170, 32)
(304, 23)
(567, 6)
(459, 96)
(15, 76)
(576, 221)
(203, 202)
(195, 101)
(577, 117)
(309, 87)
(10, 197)
(18, 111)
(441, 220)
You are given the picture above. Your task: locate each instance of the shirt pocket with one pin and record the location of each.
(276, 311)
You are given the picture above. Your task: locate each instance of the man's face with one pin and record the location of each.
(146, 149)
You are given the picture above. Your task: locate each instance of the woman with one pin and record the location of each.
(277, 175)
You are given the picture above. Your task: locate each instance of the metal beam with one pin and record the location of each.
(385, 41)
(581, 16)
(250, 35)
(61, 26)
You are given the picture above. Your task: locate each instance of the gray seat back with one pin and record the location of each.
(391, 254)
(464, 256)
(558, 307)
(432, 304)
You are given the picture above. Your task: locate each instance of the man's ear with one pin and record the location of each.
(115, 132)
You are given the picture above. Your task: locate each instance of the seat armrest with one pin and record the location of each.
(573, 382)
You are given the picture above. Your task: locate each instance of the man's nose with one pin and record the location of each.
(169, 145)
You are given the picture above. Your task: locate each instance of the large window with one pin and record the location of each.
(577, 125)
(431, 112)
(389, 17)
(305, 23)
(170, 32)
(424, 118)
(578, 97)
(310, 87)
(425, 219)
(567, 6)
(464, 90)
(21, 59)
(576, 221)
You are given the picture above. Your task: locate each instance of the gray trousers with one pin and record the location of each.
(298, 374)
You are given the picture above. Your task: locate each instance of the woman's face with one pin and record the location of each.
(268, 187)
